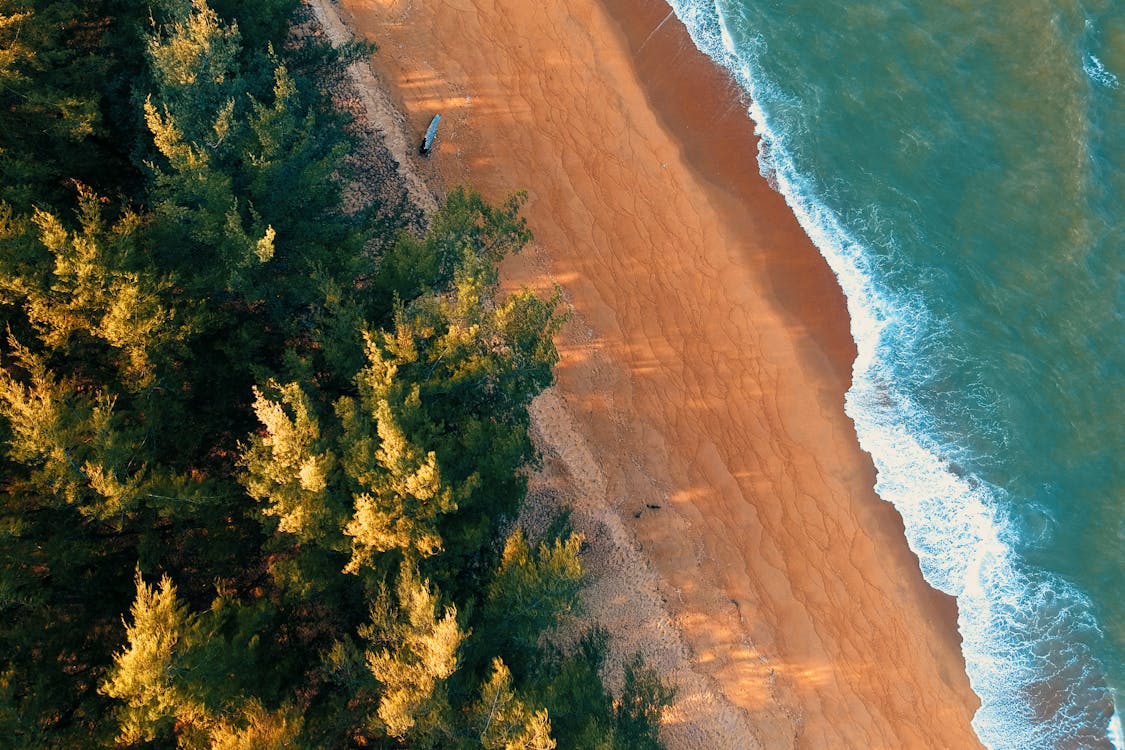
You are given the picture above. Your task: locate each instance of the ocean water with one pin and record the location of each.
(961, 166)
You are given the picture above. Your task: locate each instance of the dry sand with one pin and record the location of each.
(697, 425)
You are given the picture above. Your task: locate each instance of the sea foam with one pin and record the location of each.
(1098, 73)
(1023, 631)
(1115, 734)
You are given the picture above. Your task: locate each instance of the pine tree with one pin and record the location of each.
(194, 61)
(414, 651)
(261, 24)
(289, 468)
(143, 677)
(441, 413)
(643, 700)
(200, 678)
(402, 493)
(48, 98)
(506, 722)
(291, 155)
(259, 729)
(75, 445)
(406, 495)
(531, 590)
(193, 116)
(94, 283)
(470, 363)
(465, 226)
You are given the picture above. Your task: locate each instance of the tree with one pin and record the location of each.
(48, 98)
(471, 362)
(583, 712)
(75, 445)
(259, 729)
(143, 677)
(440, 415)
(194, 116)
(531, 590)
(506, 722)
(261, 157)
(188, 676)
(643, 700)
(568, 684)
(262, 24)
(406, 496)
(290, 466)
(291, 155)
(465, 226)
(197, 207)
(414, 652)
(194, 63)
(93, 283)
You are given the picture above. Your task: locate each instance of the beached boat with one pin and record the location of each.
(431, 134)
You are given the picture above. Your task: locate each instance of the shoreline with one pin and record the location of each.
(686, 375)
(713, 126)
(801, 283)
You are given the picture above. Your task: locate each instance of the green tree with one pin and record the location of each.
(643, 700)
(413, 653)
(465, 226)
(506, 722)
(440, 414)
(93, 283)
(291, 154)
(193, 677)
(74, 445)
(250, 167)
(405, 495)
(472, 362)
(262, 24)
(48, 98)
(569, 685)
(194, 61)
(583, 712)
(531, 590)
(144, 673)
(259, 729)
(290, 466)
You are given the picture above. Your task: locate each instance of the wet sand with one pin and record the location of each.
(697, 425)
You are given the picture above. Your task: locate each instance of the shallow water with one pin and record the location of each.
(960, 166)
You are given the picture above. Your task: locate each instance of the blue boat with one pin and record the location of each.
(431, 134)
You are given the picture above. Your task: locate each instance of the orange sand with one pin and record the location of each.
(703, 372)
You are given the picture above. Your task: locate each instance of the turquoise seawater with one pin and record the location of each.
(961, 166)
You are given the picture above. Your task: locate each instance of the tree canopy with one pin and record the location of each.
(263, 452)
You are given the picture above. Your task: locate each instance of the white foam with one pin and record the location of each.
(1019, 628)
(1098, 73)
(1116, 735)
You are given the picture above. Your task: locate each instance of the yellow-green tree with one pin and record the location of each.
(94, 284)
(144, 674)
(414, 651)
(290, 466)
(506, 722)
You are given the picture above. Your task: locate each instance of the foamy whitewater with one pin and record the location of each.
(945, 434)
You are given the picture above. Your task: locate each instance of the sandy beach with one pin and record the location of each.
(697, 425)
